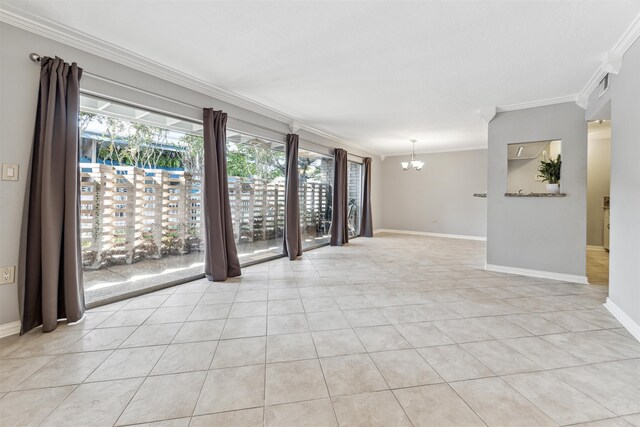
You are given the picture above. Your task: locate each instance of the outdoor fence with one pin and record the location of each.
(129, 214)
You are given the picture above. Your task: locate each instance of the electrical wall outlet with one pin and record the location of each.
(7, 275)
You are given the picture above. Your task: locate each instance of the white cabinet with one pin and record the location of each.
(606, 229)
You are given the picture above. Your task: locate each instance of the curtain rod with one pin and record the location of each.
(36, 58)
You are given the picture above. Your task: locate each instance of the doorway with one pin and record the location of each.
(598, 200)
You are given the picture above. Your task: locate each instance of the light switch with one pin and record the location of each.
(10, 171)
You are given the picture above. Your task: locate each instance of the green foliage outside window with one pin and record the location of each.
(137, 144)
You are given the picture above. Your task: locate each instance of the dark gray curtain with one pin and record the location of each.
(366, 223)
(292, 244)
(339, 220)
(221, 256)
(50, 267)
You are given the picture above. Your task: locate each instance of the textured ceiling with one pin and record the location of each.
(375, 73)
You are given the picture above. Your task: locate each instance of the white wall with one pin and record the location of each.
(598, 177)
(439, 198)
(544, 234)
(19, 78)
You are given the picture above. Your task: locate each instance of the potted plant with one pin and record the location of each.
(549, 171)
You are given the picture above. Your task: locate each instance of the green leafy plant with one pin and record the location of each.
(549, 170)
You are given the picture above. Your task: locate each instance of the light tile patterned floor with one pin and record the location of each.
(390, 331)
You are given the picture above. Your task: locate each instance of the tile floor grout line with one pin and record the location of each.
(603, 404)
(266, 341)
(372, 290)
(75, 387)
(56, 356)
(541, 409)
(324, 378)
(195, 406)
(468, 405)
(124, 408)
(133, 395)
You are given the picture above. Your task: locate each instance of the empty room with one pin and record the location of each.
(319, 213)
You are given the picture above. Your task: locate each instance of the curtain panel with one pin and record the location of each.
(366, 223)
(292, 245)
(50, 267)
(221, 256)
(339, 220)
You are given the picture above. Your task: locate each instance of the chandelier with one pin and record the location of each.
(417, 164)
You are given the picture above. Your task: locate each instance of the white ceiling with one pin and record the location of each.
(374, 73)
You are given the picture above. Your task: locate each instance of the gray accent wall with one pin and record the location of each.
(624, 259)
(545, 234)
(439, 198)
(19, 78)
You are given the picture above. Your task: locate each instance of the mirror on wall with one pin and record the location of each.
(524, 162)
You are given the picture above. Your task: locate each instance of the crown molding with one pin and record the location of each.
(612, 61)
(82, 41)
(436, 151)
(582, 101)
(628, 38)
(537, 103)
(27, 21)
(335, 138)
(294, 126)
(596, 77)
(487, 114)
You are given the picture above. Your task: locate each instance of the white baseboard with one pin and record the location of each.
(595, 248)
(538, 273)
(626, 321)
(9, 329)
(426, 233)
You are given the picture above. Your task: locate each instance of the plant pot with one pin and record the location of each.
(553, 188)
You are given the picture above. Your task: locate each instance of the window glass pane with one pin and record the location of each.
(316, 196)
(255, 169)
(354, 196)
(140, 203)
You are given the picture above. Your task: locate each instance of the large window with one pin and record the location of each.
(141, 212)
(142, 219)
(316, 196)
(354, 197)
(255, 169)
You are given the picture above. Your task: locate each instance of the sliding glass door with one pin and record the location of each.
(141, 212)
(354, 197)
(255, 169)
(316, 197)
(142, 221)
